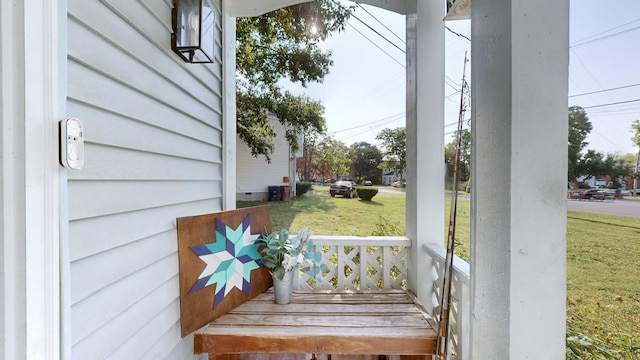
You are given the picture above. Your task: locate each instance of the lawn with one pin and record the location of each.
(603, 261)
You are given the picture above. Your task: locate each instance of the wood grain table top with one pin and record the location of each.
(390, 322)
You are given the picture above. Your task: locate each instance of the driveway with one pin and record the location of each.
(389, 190)
(610, 207)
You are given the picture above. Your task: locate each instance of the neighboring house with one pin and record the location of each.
(89, 257)
(254, 175)
(389, 176)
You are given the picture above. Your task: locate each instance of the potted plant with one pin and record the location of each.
(283, 254)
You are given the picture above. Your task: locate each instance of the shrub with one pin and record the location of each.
(366, 193)
(302, 187)
(385, 227)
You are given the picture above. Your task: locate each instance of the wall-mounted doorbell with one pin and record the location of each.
(71, 143)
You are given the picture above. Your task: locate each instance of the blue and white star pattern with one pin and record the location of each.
(229, 260)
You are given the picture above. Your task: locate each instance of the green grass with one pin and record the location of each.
(603, 260)
(328, 215)
(603, 280)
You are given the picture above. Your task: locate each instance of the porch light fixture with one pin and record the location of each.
(193, 23)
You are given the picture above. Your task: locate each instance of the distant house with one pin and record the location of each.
(389, 176)
(254, 175)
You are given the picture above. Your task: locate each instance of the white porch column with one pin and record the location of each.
(519, 69)
(229, 106)
(425, 133)
(32, 96)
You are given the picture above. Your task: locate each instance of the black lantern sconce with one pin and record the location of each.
(194, 25)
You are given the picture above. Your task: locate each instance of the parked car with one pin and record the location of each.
(402, 183)
(597, 194)
(344, 188)
(368, 183)
(575, 193)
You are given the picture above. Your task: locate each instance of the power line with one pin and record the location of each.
(395, 117)
(457, 33)
(372, 29)
(610, 104)
(381, 23)
(605, 31)
(605, 90)
(371, 128)
(377, 33)
(376, 45)
(603, 37)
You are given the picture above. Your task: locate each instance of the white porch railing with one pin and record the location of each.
(459, 311)
(380, 262)
(359, 263)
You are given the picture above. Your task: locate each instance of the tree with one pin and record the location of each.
(310, 166)
(635, 128)
(579, 129)
(278, 45)
(365, 161)
(336, 156)
(323, 158)
(394, 142)
(465, 157)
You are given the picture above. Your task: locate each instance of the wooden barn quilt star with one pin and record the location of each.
(229, 260)
(219, 263)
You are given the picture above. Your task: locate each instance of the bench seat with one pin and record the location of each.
(377, 322)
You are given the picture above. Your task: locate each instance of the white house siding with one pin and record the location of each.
(255, 175)
(153, 128)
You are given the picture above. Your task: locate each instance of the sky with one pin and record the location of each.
(365, 90)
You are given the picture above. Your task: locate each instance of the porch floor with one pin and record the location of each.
(377, 322)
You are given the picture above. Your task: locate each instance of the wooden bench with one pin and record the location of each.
(379, 322)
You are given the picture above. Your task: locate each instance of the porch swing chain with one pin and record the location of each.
(442, 350)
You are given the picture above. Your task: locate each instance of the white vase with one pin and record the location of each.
(282, 288)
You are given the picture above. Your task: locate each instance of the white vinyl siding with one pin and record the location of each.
(153, 152)
(254, 174)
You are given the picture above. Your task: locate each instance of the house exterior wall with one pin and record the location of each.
(153, 152)
(255, 175)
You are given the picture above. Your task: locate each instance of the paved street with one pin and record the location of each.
(611, 207)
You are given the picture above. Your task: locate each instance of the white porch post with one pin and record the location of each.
(425, 142)
(32, 62)
(229, 105)
(519, 70)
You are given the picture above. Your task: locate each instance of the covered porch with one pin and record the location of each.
(358, 308)
(89, 262)
(511, 298)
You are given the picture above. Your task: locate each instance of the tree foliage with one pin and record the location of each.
(365, 161)
(282, 44)
(596, 164)
(579, 129)
(323, 158)
(394, 142)
(310, 166)
(635, 129)
(465, 156)
(336, 155)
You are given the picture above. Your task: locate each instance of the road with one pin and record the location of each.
(609, 207)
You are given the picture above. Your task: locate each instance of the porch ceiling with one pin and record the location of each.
(241, 8)
(398, 6)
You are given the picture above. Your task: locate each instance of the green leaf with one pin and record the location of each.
(279, 272)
